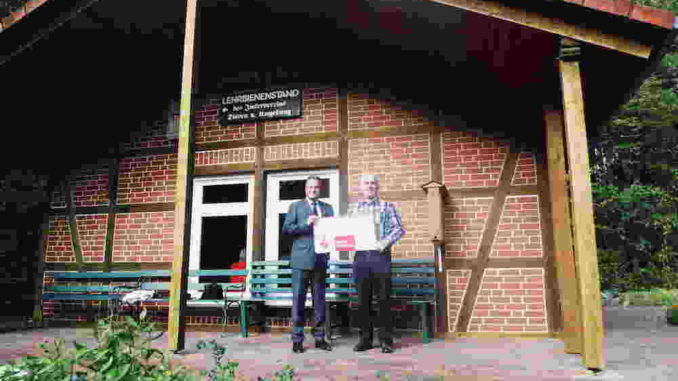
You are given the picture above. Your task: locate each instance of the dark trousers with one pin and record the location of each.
(301, 280)
(372, 275)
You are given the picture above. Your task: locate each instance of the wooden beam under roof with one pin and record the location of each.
(553, 25)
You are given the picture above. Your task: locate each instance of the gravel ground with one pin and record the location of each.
(639, 345)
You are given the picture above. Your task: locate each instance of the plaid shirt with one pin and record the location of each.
(390, 225)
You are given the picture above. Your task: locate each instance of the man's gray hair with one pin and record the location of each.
(369, 178)
(313, 177)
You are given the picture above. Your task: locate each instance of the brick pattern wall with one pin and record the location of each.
(472, 161)
(147, 179)
(144, 237)
(457, 283)
(319, 115)
(312, 150)
(464, 222)
(154, 136)
(208, 130)
(365, 113)
(526, 170)
(519, 230)
(59, 248)
(510, 300)
(415, 242)
(92, 236)
(226, 156)
(90, 190)
(402, 162)
(57, 200)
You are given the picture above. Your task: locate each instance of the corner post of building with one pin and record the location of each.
(584, 237)
(177, 300)
(436, 194)
(562, 233)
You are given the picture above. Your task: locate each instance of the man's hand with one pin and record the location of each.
(311, 220)
(382, 245)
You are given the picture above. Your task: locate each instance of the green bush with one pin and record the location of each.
(654, 297)
(123, 353)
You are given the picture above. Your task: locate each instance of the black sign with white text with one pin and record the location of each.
(261, 105)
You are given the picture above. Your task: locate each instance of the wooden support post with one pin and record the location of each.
(110, 225)
(258, 200)
(586, 262)
(177, 299)
(562, 233)
(436, 194)
(72, 224)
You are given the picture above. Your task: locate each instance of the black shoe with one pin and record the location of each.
(386, 348)
(322, 344)
(298, 347)
(362, 346)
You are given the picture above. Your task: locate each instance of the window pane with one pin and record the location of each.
(294, 189)
(219, 194)
(222, 240)
(285, 241)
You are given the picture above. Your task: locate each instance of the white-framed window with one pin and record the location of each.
(221, 223)
(284, 188)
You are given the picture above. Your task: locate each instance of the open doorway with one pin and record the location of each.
(221, 224)
(223, 238)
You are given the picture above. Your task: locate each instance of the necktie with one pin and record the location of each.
(313, 209)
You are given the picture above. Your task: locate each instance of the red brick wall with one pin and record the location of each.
(207, 129)
(226, 156)
(526, 170)
(464, 223)
(519, 230)
(457, 283)
(153, 137)
(57, 200)
(59, 248)
(148, 179)
(415, 242)
(510, 300)
(312, 150)
(90, 190)
(472, 161)
(365, 113)
(92, 236)
(402, 162)
(319, 115)
(144, 237)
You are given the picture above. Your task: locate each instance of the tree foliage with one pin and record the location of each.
(635, 185)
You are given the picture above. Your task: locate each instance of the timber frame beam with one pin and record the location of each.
(177, 300)
(584, 237)
(556, 25)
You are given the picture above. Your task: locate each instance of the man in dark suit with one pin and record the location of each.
(308, 267)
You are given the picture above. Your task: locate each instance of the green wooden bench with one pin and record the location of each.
(77, 286)
(414, 283)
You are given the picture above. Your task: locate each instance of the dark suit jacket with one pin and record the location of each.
(303, 254)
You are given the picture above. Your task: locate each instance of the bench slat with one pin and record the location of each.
(270, 263)
(190, 286)
(107, 275)
(208, 273)
(88, 289)
(271, 280)
(52, 296)
(271, 272)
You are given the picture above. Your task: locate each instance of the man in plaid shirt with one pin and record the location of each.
(372, 268)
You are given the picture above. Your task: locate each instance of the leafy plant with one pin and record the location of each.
(286, 374)
(123, 353)
(654, 297)
(221, 371)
